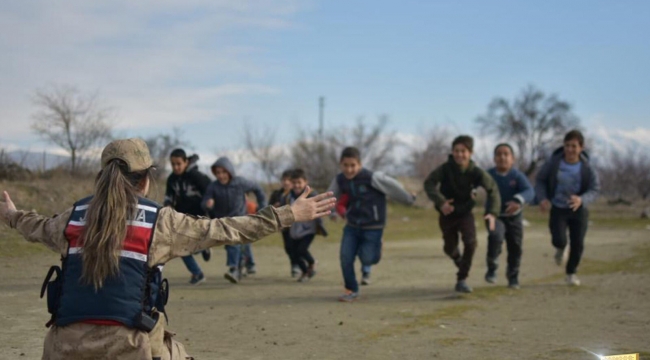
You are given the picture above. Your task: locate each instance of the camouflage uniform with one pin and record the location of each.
(175, 235)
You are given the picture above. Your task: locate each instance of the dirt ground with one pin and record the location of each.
(409, 311)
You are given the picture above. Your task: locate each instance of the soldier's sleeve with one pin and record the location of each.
(179, 234)
(42, 229)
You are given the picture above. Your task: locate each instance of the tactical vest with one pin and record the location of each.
(125, 299)
(366, 206)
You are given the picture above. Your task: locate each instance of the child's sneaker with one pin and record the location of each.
(304, 278)
(251, 270)
(206, 254)
(295, 271)
(232, 275)
(311, 271)
(491, 276)
(513, 283)
(462, 287)
(197, 279)
(365, 279)
(572, 280)
(349, 296)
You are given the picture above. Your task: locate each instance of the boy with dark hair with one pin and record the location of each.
(226, 197)
(451, 187)
(365, 214)
(185, 188)
(566, 184)
(515, 191)
(276, 199)
(301, 234)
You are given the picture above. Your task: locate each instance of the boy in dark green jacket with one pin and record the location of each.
(452, 187)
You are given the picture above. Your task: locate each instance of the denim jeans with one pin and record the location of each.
(192, 265)
(364, 243)
(235, 253)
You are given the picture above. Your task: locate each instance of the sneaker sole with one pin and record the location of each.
(198, 282)
(231, 278)
(365, 282)
(347, 300)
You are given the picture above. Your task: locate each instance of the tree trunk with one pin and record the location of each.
(73, 160)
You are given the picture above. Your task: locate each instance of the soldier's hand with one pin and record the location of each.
(7, 207)
(305, 209)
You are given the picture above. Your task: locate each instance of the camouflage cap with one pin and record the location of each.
(134, 152)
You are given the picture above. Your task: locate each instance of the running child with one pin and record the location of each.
(226, 197)
(566, 184)
(451, 187)
(365, 214)
(276, 200)
(186, 186)
(515, 191)
(302, 234)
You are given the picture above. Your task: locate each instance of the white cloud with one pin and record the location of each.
(158, 62)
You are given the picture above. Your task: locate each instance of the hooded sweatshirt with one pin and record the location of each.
(185, 191)
(230, 199)
(459, 185)
(547, 178)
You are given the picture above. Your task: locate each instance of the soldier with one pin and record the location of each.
(107, 299)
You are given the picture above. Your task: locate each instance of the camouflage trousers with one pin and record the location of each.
(88, 341)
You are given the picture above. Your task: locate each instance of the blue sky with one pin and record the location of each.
(207, 65)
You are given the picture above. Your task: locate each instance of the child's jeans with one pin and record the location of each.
(364, 243)
(192, 265)
(234, 255)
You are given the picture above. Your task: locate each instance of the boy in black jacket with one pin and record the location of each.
(186, 186)
(458, 178)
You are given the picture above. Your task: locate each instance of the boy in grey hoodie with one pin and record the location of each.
(226, 197)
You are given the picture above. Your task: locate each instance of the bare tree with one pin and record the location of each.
(377, 146)
(424, 159)
(161, 145)
(319, 158)
(534, 122)
(261, 145)
(625, 175)
(74, 121)
(319, 155)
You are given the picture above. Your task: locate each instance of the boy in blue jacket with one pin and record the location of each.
(566, 184)
(515, 191)
(365, 215)
(226, 197)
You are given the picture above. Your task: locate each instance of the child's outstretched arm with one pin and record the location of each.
(392, 188)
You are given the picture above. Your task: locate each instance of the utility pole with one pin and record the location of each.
(321, 106)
